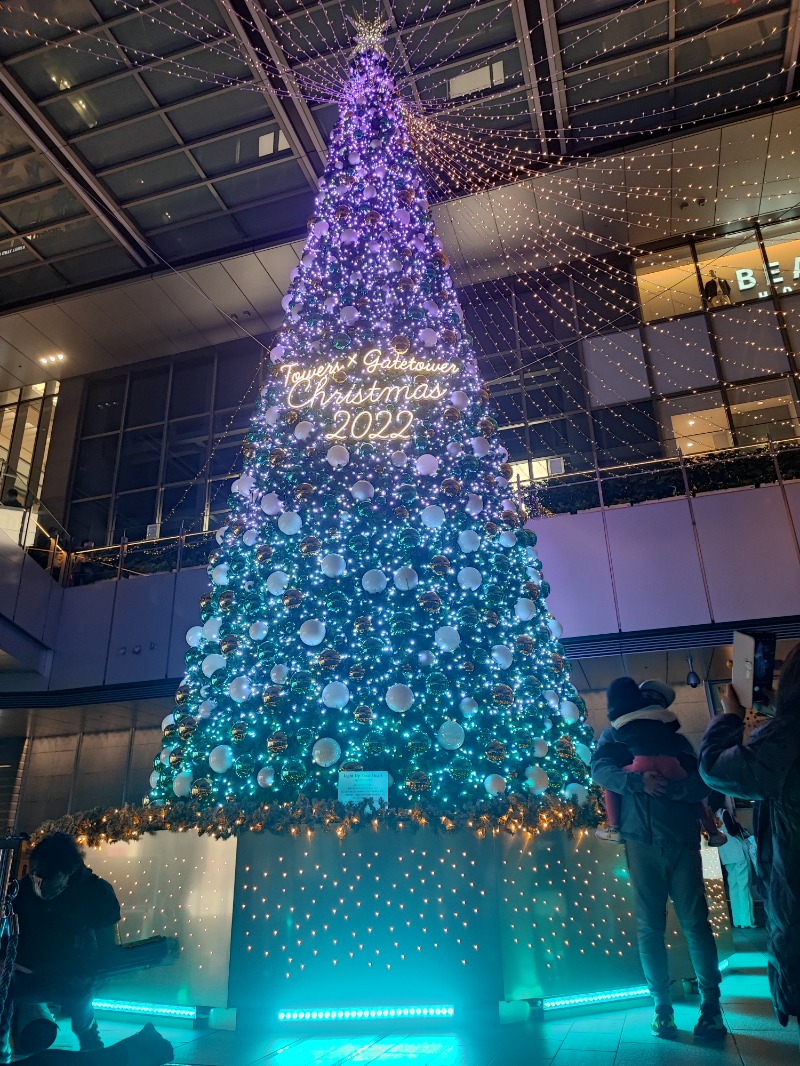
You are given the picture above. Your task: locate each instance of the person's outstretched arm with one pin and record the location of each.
(747, 771)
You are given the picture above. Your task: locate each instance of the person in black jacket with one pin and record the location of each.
(67, 918)
(767, 769)
(658, 822)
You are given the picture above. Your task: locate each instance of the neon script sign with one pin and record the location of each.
(358, 391)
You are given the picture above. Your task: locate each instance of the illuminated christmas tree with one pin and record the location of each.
(376, 602)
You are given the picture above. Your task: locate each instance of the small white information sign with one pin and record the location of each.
(355, 786)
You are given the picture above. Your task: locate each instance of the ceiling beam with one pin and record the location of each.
(790, 56)
(529, 70)
(74, 173)
(553, 47)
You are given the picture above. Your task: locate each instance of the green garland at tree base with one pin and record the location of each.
(535, 815)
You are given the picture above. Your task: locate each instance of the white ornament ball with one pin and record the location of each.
(219, 536)
(326, 751)
(480, 446)
(348, 314)
(278, 674)
(290, 523)
(265, 777)
(258, 630)
(508, 538)
(568, 711)
(540, 748)
(182, 785)
(399, 698)
(244, 485)
(584, 753)
(374, 581)
(338, 456)
(219, 575)
(450, 735)
(277, 583)
(336, 695)
(459, 399)
(349, 236)
(494, 784)
(474, 504)
(271, 504)
(221, 758)
(432, 516)
(555, 628)
(312, 632)
(211, 628)
(212, 663)
(525, 609)
(277, 353)
(447, 638)
(455, 448)
(194, 636)
(303, 430)
(271, 416)
(399, 458)
(250, 538)
(362, 491)
(534, 575)
(577, 792)
(425, 658)
(319, 229)
(469, 541)
(469, 577)
(552, 699)
(206, 709)
(429, 337)
(503, 656)
(406, 578)
(427, 465)
(333, 565)
(155, 777)
(536, 779)
(468, 707)
(531, 554)
(168, 720)
(164, 755)
(240, 689)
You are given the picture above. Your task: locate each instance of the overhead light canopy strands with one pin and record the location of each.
(377, 604)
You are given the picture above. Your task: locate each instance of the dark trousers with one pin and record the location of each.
(74, 996)
(659, 873)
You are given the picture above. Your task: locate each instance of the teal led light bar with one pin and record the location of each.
(159, 1010)
(336, 1014)
(589, 999)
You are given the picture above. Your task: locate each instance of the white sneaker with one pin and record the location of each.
(609, 834)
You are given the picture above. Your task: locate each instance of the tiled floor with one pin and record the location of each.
(614, 1038)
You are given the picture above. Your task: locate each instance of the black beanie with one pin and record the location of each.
(624, 696)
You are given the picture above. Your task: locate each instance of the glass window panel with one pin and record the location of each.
(763, 412)
(7, 417)
(667, 283)
(14, 253)
(490, 319)
(218, 495)
(257, 184)
(693, 17)
(167, 210)
(25, 284)
(565, 438)
(217, 66)
(94, 469)
(183, 507)
(244, 149)
(147, 397)
(732, 270)
(103, 411)
(637, 27)
(186, 449)
(57, 70)
(599, 287)
(191, 387)
(26, 429)
(750, 343)
(727, 43)
(503, 72)
(233, 421)
(145, 36)
(545, 312)
(620, 76)
(492, 24)
(782, 245)
(627, 433)
(97, 265)
(100, 106)
(140, 458)
(12, 139)
(237, 377)
(50, 205)
(227, 458)
(791, 316)
(134, 140)
(615, 368)
(680, 354)
(282, 218)
(215, 114)
(695, 424)
(88, 522)
(70, 238)
(133, 513)
(26, 173)
(190, 240)
(143, 179)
